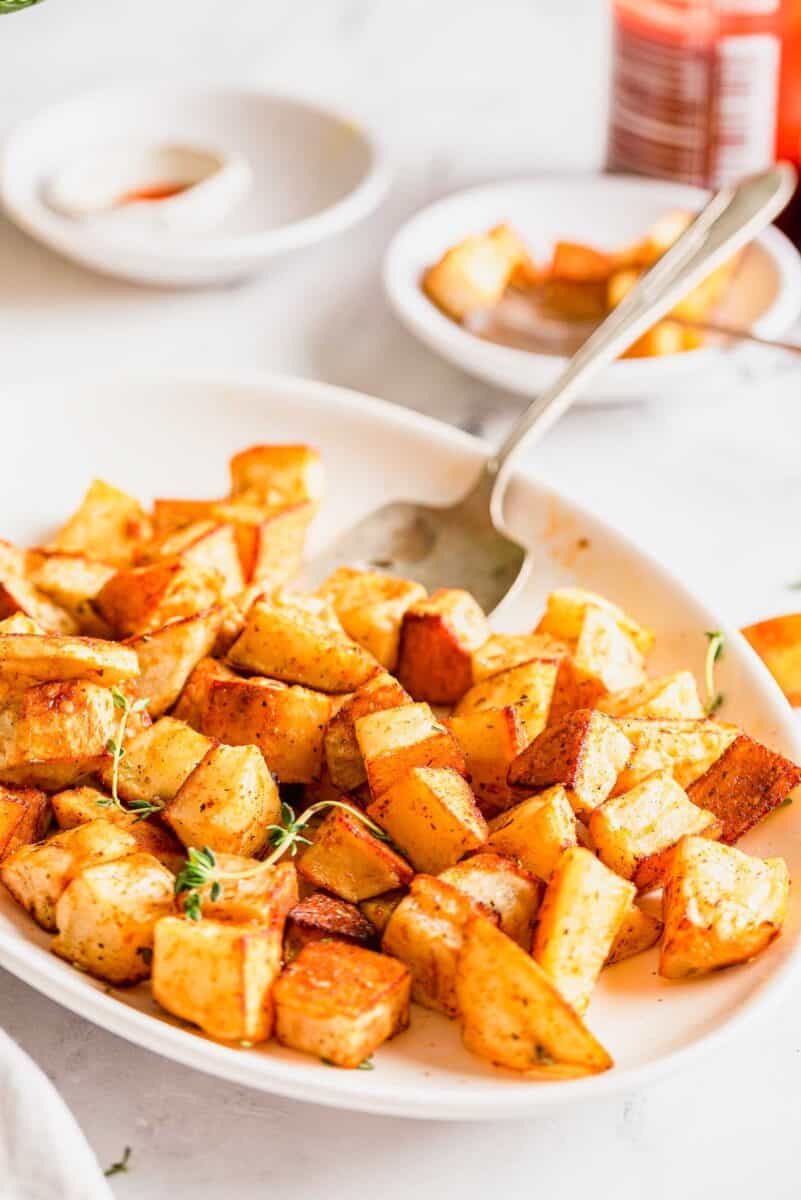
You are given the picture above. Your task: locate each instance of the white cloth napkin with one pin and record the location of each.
(43, 1154)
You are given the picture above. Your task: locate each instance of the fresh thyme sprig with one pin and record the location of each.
(117, 1168)
(201, 869)
(714, 652)
(116, 748)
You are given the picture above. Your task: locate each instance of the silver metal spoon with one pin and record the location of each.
(464, 544)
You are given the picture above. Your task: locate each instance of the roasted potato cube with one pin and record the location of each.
(687, 748)
(575, 299)
(210, 545)
(512, 1013)
(286, 643)
(170, 514)
(264, 898)
(72, 581)
(634, 833)
(579, 263)
(666, 337)
(529, 688)
(56, 732)
(471, 275)
(746, 783)
(582, 911)
(19, 623)
(504, 888)
(24, 818)
(778, 643)
(37, 875)
(378, 909)
(218, 975)
(108, 525)
(347, 859)
(584, 753)
(228, 802)
(270, 539)
(168, 656)
(537, 832)
(286, 723)
(432, 816)
(674, 697)
(395, 740)
(342, 754)
(50, 659)
(639, 932)
(76, 806)
(17, 595)
(340, 1002)
(491, 741)
(426, 931)
(321, 916)
(158, 761)
(567, 607)
(371, 607)
(606, 652)
(279, 473)
(503, 651)
(720, 907)
(140, 599)
(106, 916)
(195, 695)
(437, 640)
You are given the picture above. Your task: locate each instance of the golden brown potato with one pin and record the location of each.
(720, 907)
(342, 754)
(158, 760)
(170, 514)
(194, 697)
(490, 741)
(17, 595)
(567, 607)
(210, 545)
(54, 733)
(687, 748)
(106, 916)
(673, 697)
(437, 640)
(286, 723)
(264, 898)
(76, 806)
(168, 656)
(529, 688)
(19, 623)
(347, 859)
(666, 337)
(37, 875)
(582, 911)
(536, 832)
(507, 890)
(228, 802)
(108, 525)
(395, 740)
(378, 909)
(138, 600)
(778, 643)
(607, 652)
(503, 651)
(634, 833)
(340, 1002)
(432, 816)
(472, 275)
(513, 1015)
(279, 474)
(270, 538)
(321, 916)
(745, 784)
(72, 581)
(371, 607)
(584, 753)
(50, 659)
(24, 818)
(639, 932)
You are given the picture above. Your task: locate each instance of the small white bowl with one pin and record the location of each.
(607, 211)
(313, 173)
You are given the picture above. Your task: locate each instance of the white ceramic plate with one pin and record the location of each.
(607, 211)
(172, 435)
(314, 172)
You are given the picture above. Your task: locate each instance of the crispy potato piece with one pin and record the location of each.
(321, 916)
(286, 723)
(525, 273)
(606, 652)
(584, 907)
(271, 548)
(673, 697)
(584, 753)
(17, 595)
(666, 337)
(503, 651)
(471, 275)
(19, 623)
(688, 748)
(140, 599)
(634, 833)
(106, 916)
(170, 514)
(108, 525)
(54, 733)
(195, 694)
(340, 1002)
(279, 473)
(720, 907)
(746, 783)
(24, 818)
(218, 975)
(395, 740)
(509, 891)
(537, 832)
(566, 609)
(579, 263)
(347, 859)
(158, 761)
(639, 932)
(228, 802)
(371, 607)
(575, 300)
(37, 875)
(378, 909)
(72, 581)
(431, 814)
(490, 741)
(50, 659)
(77, 806)
(437, 640)
(529, 688)
(426, 931)
(342, 754)
(210, 545)
(296, 647)
(513, 1015)
(778, 643)
(168, 656)
(264, 898)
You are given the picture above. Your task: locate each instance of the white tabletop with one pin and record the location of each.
(463, 93)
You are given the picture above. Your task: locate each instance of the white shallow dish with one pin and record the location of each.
(606, 211)
(175, 437)
(314, 173)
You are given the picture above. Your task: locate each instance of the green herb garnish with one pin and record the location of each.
(117, 1168)
(714, 652)
(116, 748)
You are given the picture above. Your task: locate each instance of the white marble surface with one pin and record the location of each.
(463, 92)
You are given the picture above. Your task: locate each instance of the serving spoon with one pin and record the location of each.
(465, 544)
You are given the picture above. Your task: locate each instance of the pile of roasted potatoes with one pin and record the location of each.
(294, 813)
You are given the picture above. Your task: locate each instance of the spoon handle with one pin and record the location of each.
(731, 219)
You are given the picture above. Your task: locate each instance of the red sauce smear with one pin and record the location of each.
(156, 191)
